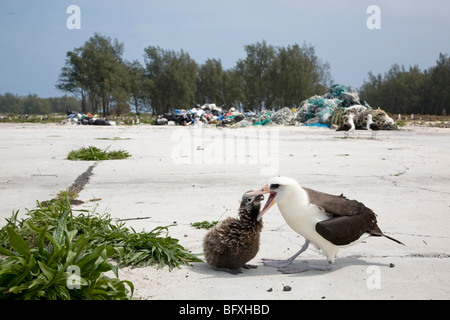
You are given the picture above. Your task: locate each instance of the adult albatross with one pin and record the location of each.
(372, 126)
(329, 222)
(348, 127)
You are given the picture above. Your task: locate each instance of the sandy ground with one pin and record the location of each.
(184, 175)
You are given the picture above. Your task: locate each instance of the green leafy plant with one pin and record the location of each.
(40, 248)
(43, 271)
(152, 248)
(94, 154)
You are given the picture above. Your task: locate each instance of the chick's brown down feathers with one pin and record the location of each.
(235, 241)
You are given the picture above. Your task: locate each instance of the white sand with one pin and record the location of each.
(181, 175)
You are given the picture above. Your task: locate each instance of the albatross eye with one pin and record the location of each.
(274, 186)
(249, 200)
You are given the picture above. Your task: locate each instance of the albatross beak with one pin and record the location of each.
(270, 201)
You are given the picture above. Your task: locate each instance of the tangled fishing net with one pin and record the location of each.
(334, 107)
(331, 110)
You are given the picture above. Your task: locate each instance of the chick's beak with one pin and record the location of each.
(270, 201)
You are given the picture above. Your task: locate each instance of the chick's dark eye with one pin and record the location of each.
(249, 200)
(274, 186)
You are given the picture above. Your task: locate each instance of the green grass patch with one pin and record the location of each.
(70, 195)
(64, 194)
(204, 224)
(94, 154)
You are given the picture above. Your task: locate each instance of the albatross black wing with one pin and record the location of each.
(335, 205)
(349, 220)
(343, 230)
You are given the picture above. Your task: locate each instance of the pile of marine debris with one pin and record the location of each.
(86, 119)
(328, 110)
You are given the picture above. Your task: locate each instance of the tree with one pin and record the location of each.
(233, 88)
(438, 87)
(61, 104)
(277, 77)
(370, 89)
(97, 72)
(105, 70)
(173, 78)
(210, 82)
(139, 86)
(298, 74)
(255, 72)
(398, 91)
(318, 72)
(11, 103)
(402, 90)
(32, 104)
(73, 77)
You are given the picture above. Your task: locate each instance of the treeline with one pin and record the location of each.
(32, 104)
(269, 77)
(409, 91)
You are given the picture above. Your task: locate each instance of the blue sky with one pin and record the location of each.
(34, 37)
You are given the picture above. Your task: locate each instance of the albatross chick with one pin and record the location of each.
(229, 245)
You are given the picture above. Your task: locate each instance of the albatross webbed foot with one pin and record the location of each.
(276, 263)
(285, 263)
(250, 266)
